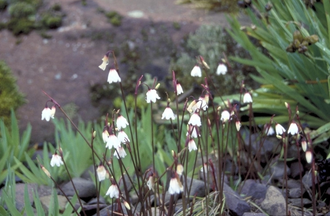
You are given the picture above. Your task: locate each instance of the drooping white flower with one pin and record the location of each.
(121, 122)
(105, 62)
(175, 186)
(113, 76)
(238, 125)
(105, 135)
(192, 145)
(279, 129)
(46, 114)
(152, 96)
(112, 141)
(196, 71)
(150, 182)
(304, 145)
(193, 132)
(309, 156)
(113, 191)
(168, 114)
(120, 152)
(52, 112)
(293, 129)
(179, 169)
(195, 120)
(225, 116)
(202, 103)
(101, 173)
(247, 98)
(269, 130)
(56, 160)
(122, 137)
(221, 69)
(179, 89)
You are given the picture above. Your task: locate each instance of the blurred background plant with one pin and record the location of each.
(214, 44)
(10, 96)
(296, 65)
(214, 5)
(28, 15)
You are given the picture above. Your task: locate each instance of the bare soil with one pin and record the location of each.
(66, 65)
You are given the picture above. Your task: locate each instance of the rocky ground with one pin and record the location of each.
(65, 66)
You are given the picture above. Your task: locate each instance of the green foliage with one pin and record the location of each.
(20, 26)
(301, 77)
(21, 10)
(13, 145)
(3, 5)
(51, 21)
(114, 18)
(8, 198)
(215, 5)
(10, 97)
(23, 17)
(211, 42)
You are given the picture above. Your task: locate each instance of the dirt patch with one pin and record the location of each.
(66, 65)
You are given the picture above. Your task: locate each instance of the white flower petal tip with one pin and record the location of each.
(175, 186)
(179, 89)
(113, 191)
(56, 160)
(192, 145)
(168, 114)
(46, 114)
(112, 142)
(293, 129)
(105, 62)
(113, 76)
(196, 71)
(152, 96)
(225, 116)
(195, 120)
(120, 152)
(247, 98)
(101, 173)
(122, 137)
(279, 129)
(121, 122)
(221, 69)
(269, 130)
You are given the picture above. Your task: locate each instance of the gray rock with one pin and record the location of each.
(254, 189)
(277, 170)
(293, 183)
(253, 214)
(274, 203)
(20, 190)
(197, 187)
(113, 210)
(297, 201)
(84, 187)
(295, 170)
(265, 147)
(308, 181)
(46, 202)
(295, 192)
(234, 202)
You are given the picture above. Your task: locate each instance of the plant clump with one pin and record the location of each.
(10, 96)
(24, 16)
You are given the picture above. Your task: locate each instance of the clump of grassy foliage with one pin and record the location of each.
(23, 16)
(300, 76)
(10, 96)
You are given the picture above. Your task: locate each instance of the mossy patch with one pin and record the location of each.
(10, 96)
